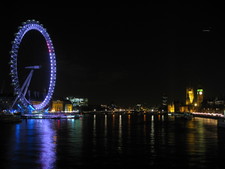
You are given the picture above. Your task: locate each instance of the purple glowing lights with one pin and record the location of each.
(27, 26)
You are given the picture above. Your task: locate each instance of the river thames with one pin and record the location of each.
(113, 141)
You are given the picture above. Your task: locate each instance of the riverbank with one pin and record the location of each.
(9, 118)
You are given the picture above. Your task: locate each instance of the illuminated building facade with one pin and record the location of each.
(171, 108)
(193, 100)
(189, 96)
(77, 102)
(199, 96)
(68, 107)
(57, 106)
(61, 106)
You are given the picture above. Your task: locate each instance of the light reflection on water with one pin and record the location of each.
(48, 140)
(110, 141)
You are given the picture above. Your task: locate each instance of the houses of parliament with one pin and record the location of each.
(196, 102)
(193, 101)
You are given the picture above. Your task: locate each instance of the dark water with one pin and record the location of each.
(112, 141)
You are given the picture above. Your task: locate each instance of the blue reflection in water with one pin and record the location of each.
(48, 146)
(35, 144)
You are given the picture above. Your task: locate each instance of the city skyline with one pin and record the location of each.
(125, 53)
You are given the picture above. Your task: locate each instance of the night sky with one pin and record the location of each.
(122, 53)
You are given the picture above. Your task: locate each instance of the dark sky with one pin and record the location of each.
(122, 53)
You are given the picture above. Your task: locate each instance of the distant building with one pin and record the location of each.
(57, 106)
(68, 106)
(199, 97)
(138, 107)
(164, 103)
(77, 102)
(35, 102)
(61, 106)
(189, 96)
(171, 108)
(213, 105)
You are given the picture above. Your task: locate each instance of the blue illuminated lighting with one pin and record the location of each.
(31, 107)
(27, 26)
(19, 105)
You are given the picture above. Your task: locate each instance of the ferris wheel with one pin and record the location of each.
(21, 90)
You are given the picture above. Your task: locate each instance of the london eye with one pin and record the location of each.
(21, 88)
